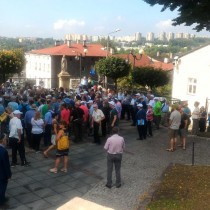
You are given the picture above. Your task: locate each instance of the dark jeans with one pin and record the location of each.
(77, 129)
(3, 187)
(96, 127)
(28, 134)
(202, 124)
(17, 147)
(157, 119)
(125, 110)
(116, 161)
(36, 141)
(104, 126)
(149, 127)
(142, 131)
(133, 114)
(47, 135)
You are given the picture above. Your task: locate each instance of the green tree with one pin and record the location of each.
(113, 67)
(150, 76)
(190, 12)
(11, 62)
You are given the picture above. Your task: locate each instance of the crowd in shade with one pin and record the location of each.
(90, 109)
(39, 117)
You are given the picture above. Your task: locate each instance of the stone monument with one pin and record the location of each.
(64, 76)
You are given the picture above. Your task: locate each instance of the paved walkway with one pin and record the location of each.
(143, 164)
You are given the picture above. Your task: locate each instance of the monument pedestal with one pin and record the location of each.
(64, 79)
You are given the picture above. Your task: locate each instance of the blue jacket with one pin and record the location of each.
(141, 115)
(5, 171)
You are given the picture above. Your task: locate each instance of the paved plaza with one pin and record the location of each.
(143, 163)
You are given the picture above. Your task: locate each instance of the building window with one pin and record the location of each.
(192, 83)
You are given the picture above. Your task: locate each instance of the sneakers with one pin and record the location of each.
(26, 164)
(64, 170)
(14, 164)
(108, 186)
(118, 186)
(54, 170)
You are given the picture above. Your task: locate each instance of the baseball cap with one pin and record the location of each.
(17, 112)
(137, 94)
(112, 103)
(139, 105)
(90, 101)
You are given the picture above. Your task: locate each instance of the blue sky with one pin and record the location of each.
(55, 18)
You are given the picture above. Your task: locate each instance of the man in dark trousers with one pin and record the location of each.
(114, 147)
(141, 122)
(5, 172)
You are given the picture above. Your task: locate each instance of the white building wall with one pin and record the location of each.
(194, 65)
(38, 67)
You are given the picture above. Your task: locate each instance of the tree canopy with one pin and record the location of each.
(151, 77)
(11, 62)
(113, 67)
(190, 12)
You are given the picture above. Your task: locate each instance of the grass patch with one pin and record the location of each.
(183, 188)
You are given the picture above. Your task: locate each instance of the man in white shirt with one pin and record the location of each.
(97, 117)
(195, 118)
(16, 139)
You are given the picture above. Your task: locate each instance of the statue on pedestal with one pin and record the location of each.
(64, 64)
(64, 77)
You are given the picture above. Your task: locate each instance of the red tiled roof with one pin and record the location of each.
(93, 50)
(146, 61)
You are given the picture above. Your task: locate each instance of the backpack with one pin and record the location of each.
(63, 143)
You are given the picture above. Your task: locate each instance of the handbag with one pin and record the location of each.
(63, 143)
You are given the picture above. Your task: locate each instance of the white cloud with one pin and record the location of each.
(165, 24)
(119, 17)
(99, 28)
(62, 24)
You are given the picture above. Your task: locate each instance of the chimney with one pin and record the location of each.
(166, 60)
(69, 43)
(84, 43)
(57, 43)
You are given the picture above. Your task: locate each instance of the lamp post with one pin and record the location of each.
(135, 56)
(107, 50)
(79, 57)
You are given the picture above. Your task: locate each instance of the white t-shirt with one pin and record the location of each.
(195, 113)
(14, 125)
(37, 126)
(97, 115)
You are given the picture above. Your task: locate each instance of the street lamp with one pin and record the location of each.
(79, 57)
(135, 56)
(107, 46)
(107, 50)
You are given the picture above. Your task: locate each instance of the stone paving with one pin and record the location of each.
(143, 163)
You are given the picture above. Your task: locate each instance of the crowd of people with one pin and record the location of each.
(33, 114)
(89, 109)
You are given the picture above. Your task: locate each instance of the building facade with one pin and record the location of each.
(191, 77)
(44, 65)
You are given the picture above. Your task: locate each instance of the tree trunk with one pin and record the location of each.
(115, 82)
(4, 77)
